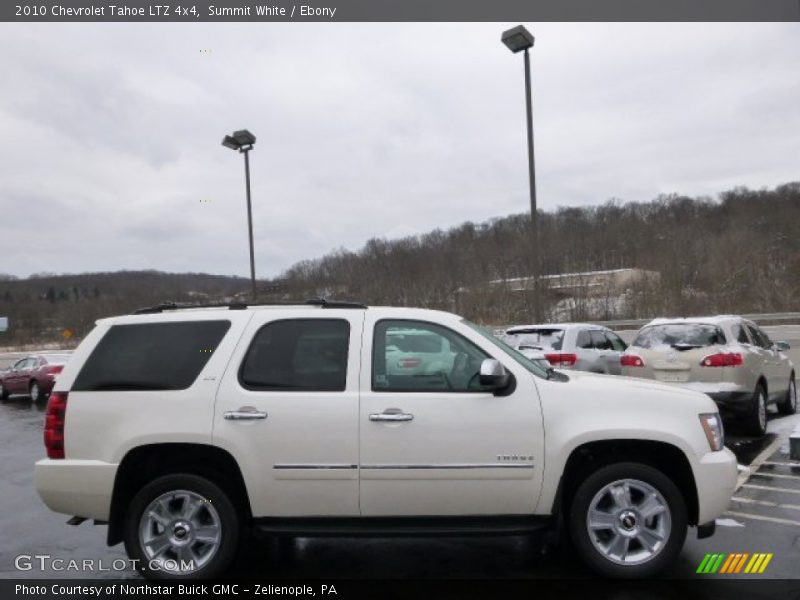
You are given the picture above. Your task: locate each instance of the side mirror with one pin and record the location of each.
(782, 346)
(494, 375)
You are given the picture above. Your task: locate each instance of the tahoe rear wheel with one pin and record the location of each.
(788, 406)
(181, 526)
(628, 520)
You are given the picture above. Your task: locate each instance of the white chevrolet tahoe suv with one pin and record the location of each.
(183, 427)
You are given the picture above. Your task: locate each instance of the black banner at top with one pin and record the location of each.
(172, 11)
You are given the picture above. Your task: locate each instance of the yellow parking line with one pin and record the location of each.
(765, 563)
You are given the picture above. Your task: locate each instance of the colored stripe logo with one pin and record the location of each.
(735, 562)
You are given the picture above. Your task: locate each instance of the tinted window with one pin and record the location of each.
(538, 338)
(740, 333)
(584, 340)
(401, 363)
(616, 342)
(759, 337)
(298, 355)
(599, 341)
(20, 364)
(151, 356)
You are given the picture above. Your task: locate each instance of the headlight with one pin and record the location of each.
(712, 425)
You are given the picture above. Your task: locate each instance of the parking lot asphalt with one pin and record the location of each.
(764, 516)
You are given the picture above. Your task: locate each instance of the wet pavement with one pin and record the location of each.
(765, 517)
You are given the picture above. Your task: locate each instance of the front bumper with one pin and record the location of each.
(715, 475)
(81, 488)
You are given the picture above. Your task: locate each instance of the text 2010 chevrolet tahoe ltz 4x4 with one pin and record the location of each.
(183, 427)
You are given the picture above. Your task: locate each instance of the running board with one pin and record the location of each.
(402, 526)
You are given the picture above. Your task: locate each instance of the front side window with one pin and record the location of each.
(740, 333)
(616, 342)
(307, 355)
(150, 356)
(758, 337)
(416, 356)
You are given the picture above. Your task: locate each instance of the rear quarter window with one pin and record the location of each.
(150, 356)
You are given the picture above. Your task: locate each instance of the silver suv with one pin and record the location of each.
(727, 357)
(578, 346)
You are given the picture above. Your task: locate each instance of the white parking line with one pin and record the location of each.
(766, 503)
(781, 464)
(769, 487)
(760, 460)
(763, 518)
(776, 475)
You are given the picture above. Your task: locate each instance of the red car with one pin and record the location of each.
(33, 375)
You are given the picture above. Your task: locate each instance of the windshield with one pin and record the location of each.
(531, 366)
(535, 338)
(679, 336)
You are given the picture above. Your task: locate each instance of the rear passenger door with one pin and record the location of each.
(287, 411)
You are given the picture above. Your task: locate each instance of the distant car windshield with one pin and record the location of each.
(679, 336)
(538, 337)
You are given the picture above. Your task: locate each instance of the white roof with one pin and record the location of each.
(711, 320)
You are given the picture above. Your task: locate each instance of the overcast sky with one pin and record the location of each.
(111, 155)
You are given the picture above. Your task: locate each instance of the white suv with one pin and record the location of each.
(180, 428)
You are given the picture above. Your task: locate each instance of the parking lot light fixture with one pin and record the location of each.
(243, 141)
(519, 39)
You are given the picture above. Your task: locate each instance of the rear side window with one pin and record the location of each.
(539, 338)
(584, 340)
(616, 342)
(681, 336)
(298, 355)
(150, 356)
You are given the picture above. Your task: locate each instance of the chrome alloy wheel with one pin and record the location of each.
(629, 521)
(179, 532)
(35, 392)
(793, 396)
(762, 409)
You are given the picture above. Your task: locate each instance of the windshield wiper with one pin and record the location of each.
(682, 347)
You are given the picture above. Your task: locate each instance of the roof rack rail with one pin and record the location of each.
(238, 305)
(322, 302)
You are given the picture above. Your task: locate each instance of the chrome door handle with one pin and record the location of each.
(244, 415)
(393, 417)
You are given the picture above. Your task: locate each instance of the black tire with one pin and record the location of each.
(675, 517)
(753, 423)
(3, 393)
(230, 525)
(788, 406)
(33, 388)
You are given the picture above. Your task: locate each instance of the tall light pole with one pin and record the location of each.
(520, 39)
(243, 141)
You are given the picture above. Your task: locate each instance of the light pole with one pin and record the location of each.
(520, 39)
(243, 141)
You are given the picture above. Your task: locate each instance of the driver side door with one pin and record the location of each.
(433, 441)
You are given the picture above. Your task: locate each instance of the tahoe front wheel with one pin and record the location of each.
(181, 526)
(628, 520)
